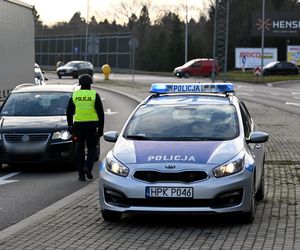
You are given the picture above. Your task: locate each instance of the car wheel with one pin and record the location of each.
(90, 73)
(248, 217)
(260, 194)
(59, 76)
(75, 75)
(109, 215)
(186, 74)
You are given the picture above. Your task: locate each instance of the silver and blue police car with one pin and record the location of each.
(187, 148)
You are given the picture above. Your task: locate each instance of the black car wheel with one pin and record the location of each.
(186, 74)
(260, 194)
(109, 215)
(75, 75)
(59, 76)
(249, 217)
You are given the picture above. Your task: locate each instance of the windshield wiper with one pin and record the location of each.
(138, 137)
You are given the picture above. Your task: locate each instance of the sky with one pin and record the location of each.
(52, 11)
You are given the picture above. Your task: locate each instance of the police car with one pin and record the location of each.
(187, 148)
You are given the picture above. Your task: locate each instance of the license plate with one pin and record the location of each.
(23, 149)
(169, 192)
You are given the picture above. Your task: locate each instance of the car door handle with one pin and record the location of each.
(257, 146)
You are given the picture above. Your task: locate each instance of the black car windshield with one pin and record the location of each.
(193, 122)
(72, 64)
(36, 104)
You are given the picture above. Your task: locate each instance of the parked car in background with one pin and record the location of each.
(196, 67)
(75, 69)
(39, 78)
(280, 68)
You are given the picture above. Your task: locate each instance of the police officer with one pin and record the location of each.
(85, 117)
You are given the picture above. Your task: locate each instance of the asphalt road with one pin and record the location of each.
(28, 189)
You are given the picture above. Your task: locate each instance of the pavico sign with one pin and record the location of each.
(279, 24)
(251, 57)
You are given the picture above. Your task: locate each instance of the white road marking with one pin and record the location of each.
(295, 93)
(274, 94)
(293, 103)
(3, 180)
(244, 94)
(297, 98)
(109, 112)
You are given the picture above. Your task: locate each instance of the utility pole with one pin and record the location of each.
(262, 37)
(87, 30)
(186, 32)
(213, 77)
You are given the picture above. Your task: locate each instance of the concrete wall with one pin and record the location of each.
(16, 45)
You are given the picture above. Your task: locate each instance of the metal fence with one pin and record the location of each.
(111, 48)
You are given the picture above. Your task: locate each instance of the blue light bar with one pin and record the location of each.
(164, 88)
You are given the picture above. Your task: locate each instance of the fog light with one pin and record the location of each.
(228, 199)
(115, 198)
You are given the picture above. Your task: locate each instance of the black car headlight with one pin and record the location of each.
(116, 167)
(229, 168)
(61, 135)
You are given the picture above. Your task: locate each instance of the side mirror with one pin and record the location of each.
(258, 137)
(111, 136)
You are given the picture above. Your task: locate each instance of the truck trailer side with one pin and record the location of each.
(16, 45)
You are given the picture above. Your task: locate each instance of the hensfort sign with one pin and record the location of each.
(279, 24)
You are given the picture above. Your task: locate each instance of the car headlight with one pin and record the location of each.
(229, 168)
(62, 135)
(116, 168)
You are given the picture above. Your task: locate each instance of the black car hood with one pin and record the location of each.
(32, 123)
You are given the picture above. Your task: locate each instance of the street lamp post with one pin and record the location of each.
(87, 30)
(214, 43)
(186, 31)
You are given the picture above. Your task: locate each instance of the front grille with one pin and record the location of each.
(160, 202)
(16, 138)
(184, 176)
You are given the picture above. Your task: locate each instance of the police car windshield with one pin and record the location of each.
(36, 104)
(184, 122)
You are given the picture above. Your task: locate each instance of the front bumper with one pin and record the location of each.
(213, 195)
(65, 73)
(54, 153)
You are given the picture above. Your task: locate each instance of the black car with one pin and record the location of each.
(280, 68)
(75, 69)
(34, 127)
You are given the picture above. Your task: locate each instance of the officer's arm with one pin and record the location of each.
(70, 112)
(100, 112)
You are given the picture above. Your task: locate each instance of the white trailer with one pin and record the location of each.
(16, 45)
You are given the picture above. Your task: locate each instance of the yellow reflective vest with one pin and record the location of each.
(84, 101)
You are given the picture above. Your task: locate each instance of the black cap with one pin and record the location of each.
(85, 80)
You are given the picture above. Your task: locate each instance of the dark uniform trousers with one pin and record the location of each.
(85, 136)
